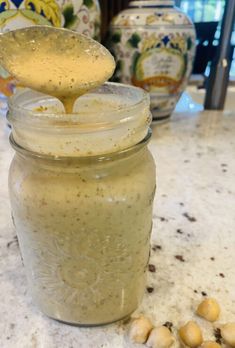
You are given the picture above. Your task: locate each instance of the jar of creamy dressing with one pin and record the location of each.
(81, 189)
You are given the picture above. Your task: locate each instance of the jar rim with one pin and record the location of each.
(107, 157)
(19, 112)
(117, 116)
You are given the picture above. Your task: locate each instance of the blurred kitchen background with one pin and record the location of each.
(207, 86)
(206, 15)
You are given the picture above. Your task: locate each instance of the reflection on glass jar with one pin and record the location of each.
(84, 220)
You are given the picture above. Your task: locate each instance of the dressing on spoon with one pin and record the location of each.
(58, 62)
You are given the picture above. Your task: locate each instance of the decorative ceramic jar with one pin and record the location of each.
(154, 46)
(83, 16)
(79, 15)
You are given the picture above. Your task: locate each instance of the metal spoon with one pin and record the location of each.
(58, 62)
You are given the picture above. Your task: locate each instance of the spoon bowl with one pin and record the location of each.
(58, 62)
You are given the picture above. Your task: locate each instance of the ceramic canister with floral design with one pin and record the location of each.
(79, 15)
(154, 46)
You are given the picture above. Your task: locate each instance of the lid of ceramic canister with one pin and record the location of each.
(151, 3)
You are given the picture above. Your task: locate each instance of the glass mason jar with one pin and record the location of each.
(81, 189)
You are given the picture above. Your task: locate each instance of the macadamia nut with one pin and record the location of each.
(209, 309)
(228, 333)
(191, 334)
(140, 329)
(210, 344)
(160, 337)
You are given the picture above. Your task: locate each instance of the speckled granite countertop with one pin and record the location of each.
(193, 241)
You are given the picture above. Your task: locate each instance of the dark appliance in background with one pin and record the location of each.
(205, 47)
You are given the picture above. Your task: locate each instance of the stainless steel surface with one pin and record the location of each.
(217, 83)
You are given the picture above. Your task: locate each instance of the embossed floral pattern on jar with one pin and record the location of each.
(154, 46)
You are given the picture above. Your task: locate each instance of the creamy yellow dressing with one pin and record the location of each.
(55, 61)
